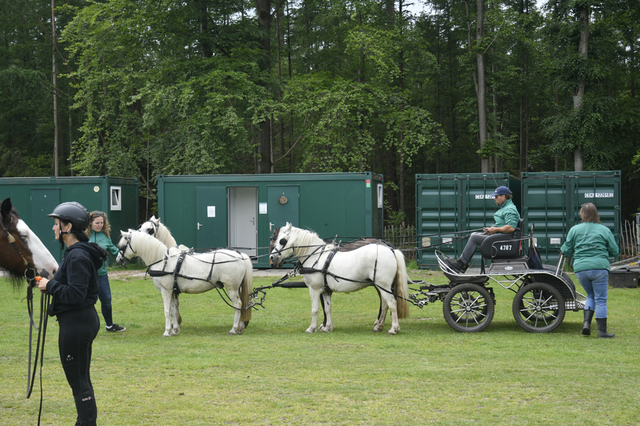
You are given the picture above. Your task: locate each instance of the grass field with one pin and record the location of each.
(276, 374)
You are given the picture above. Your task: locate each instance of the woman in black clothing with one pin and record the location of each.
(74, 290)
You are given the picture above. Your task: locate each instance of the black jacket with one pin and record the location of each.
(75, 284)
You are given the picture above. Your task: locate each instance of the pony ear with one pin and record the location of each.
(6, 207)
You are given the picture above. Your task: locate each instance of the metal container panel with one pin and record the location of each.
(35, 197)
(342, 205)
(552, 201)
(450, 203)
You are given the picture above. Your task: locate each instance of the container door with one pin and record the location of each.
(603, 190)
(243, 229)
(437, 218)
(546, 206)
(211, 217)
(283, 206)
(43, 201)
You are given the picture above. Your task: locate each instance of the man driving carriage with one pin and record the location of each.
(506, 221)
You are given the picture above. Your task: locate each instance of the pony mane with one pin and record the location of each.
(147, 247)
(306, 241)
(165, 236)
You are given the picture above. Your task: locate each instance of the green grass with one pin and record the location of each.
(276, 374)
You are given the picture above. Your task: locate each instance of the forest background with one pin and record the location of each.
(141, 88)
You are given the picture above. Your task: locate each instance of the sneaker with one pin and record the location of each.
(456, 265)
(115, 327)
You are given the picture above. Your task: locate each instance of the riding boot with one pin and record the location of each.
(87, 409)
(586, 326)
(456, 265)
(602, 328)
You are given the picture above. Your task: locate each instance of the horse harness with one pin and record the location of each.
(339, 248)
(176, 271)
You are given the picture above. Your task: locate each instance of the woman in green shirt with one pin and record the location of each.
(591, 245)
(98, 233)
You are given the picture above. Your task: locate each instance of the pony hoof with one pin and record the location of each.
(166, 335)
(310, 330)
(326, 329)
(377, 329)
(392, 332)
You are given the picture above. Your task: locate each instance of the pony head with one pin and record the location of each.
(151, 226)
(281, 245)
(23, 254)
(125, 251)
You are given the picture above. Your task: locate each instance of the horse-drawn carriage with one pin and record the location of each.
(543, 293)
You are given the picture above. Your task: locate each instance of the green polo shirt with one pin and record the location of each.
(105, 242)
(507, 214)
(591, 245)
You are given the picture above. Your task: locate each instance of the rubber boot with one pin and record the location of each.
(87, 409)
(586, 327)
(602, 328)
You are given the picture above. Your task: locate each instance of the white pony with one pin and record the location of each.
(327, 270)
(192, 273)
(157, 229)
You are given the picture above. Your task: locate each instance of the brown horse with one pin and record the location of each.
(22, 254)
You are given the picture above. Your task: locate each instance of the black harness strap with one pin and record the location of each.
(176, 274)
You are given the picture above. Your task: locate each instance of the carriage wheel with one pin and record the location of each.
(468, 308)
(538, 307)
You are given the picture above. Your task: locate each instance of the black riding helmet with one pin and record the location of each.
(72, 212)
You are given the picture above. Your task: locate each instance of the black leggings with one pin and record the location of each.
(77, 331)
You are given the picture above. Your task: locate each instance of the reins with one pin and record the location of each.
(45, 301)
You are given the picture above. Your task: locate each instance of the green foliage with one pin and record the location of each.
(165, 87)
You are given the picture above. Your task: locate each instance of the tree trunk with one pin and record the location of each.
(54, 82)
(263, 11)
(481, 87)
(578, 93)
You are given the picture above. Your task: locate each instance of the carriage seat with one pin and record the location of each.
(503, 246)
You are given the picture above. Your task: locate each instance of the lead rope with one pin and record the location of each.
(45, 300)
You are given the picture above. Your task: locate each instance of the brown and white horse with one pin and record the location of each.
(22, 254)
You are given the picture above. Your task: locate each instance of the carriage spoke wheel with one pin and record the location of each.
(468, 308)
(538, 307)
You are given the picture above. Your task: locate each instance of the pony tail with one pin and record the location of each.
(246, 289)
(402, 285)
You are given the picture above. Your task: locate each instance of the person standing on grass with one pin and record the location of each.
(74, 290)
(591, 245)
(98, 233)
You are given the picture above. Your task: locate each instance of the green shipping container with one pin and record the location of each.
(552, 202)
(241, 211)
(450, 203)
(35, 197)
